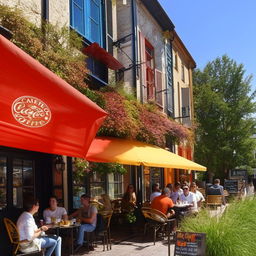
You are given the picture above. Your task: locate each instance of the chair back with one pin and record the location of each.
(154, 214)
(116, 205)
(107, 219)
(13, 233)
(214, 199)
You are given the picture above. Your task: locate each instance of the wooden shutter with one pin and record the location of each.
(159, 87)
(94, 21)
(143, 68)
(77, 16)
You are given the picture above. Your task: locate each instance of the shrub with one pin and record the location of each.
(232, 234)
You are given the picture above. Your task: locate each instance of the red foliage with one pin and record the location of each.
(118, 123)
(152, 126)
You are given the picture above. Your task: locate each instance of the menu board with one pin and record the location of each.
(238, 174)
(231, 186)
(190, 244)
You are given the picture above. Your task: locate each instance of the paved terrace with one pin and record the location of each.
(136, 246)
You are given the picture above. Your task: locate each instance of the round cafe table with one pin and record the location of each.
(57, 228)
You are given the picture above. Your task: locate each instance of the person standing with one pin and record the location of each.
(88, 217)
(29, 231)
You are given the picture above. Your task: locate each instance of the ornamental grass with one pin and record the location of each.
(232, 234)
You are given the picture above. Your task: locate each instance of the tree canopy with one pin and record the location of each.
(224, 108)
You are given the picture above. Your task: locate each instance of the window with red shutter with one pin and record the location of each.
(150, 71)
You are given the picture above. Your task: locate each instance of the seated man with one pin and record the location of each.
(88, 216)
(54, 211)
(199, 196)
(163, 203)
(189, 198)
(176, 192)
(216, 189)
(155, 191)
(29, 231)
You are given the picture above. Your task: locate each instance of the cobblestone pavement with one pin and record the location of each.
(136, 247)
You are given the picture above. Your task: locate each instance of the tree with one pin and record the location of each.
(224, 108)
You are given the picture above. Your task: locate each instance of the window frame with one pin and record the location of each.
(86, 12)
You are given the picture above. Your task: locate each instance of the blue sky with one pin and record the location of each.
(211, 28)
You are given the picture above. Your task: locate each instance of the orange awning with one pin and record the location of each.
(41, 112)
(105, 149)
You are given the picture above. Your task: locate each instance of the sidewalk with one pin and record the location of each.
(136, 246)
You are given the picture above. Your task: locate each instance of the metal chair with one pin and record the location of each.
(154, 219)
(14, 237)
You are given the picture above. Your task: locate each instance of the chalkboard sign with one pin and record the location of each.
(238, 174)
(231, 186)
(190, 244)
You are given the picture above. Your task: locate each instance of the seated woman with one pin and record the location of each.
(29, 231)
(129, 199)
(54, 212)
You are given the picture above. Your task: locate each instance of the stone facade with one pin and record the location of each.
(149, 28)
(59, 13)
(31, 8)
(182, 78)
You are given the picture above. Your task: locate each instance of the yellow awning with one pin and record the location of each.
(106, 149)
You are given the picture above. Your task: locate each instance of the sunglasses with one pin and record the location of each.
(185, 188)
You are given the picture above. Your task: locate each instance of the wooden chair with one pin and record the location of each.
(214, 200)
(154, 219)
(106, 231)
(101, 231)
(14, 237)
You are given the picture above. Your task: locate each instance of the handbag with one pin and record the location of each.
(30, 246)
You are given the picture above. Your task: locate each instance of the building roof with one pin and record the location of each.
(157, 11)
(182, 48)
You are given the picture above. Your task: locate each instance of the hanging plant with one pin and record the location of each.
(105, 168)
(80, 169)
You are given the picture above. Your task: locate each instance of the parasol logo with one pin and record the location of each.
(31, 112)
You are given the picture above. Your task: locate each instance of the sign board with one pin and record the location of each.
(231, 186)
(190, 244)
(238, 174)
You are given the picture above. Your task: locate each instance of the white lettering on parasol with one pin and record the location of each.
(31, 112)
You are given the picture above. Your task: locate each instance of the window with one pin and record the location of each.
(176, 61)
(23, 180)
(109, 26)
(115, 185)
(150, 73)
(3, 182)
(159, 88)
(86, 19)
(183, 73)
(97, 184)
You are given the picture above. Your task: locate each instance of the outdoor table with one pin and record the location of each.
(71, 228)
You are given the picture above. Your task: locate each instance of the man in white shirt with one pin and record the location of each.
(54, 211)
(29, 231)
(155, 191)
(190, 199)
(199, 196)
